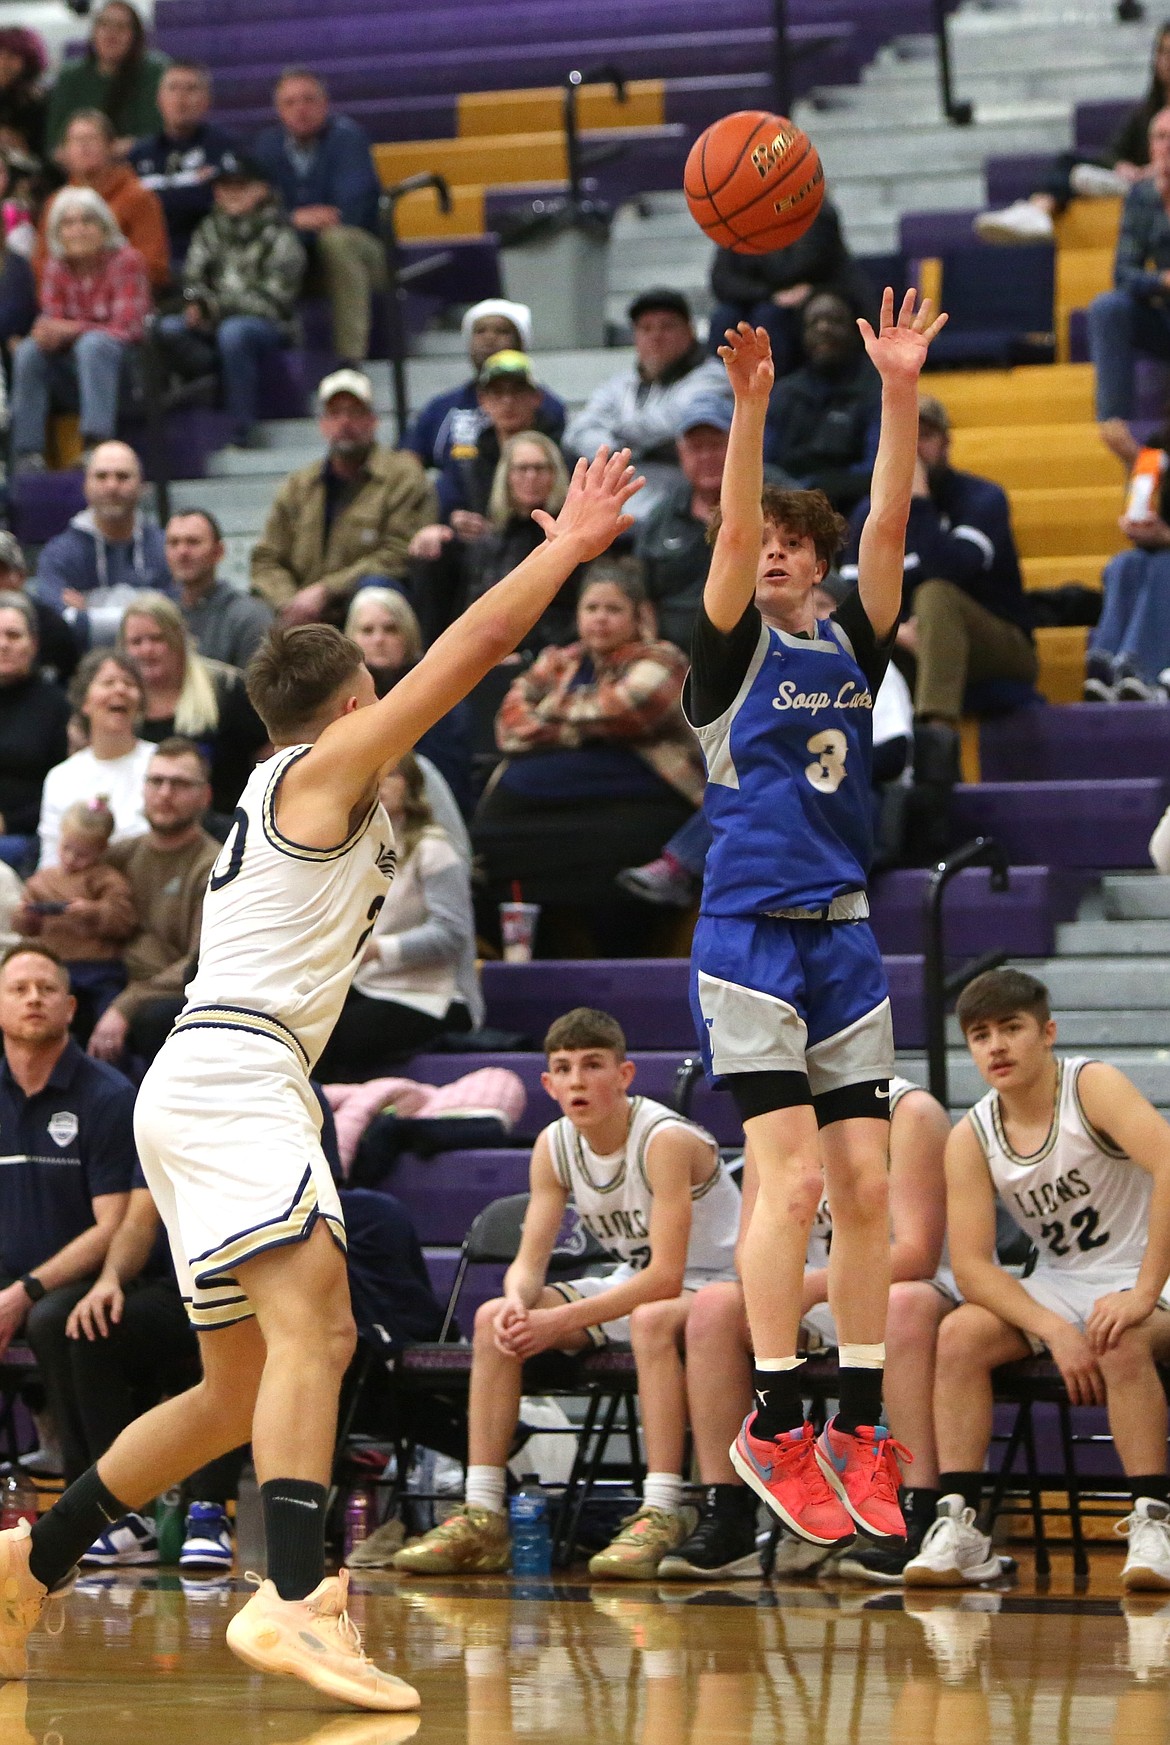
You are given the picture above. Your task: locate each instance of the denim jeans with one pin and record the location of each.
(85, 378)
(242, 341)
(1120, 326)
(1135, 612)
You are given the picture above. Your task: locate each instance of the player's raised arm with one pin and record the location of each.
(731, 580)
(353, 750)
(898, 352)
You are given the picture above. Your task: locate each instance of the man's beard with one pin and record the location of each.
(350, 451)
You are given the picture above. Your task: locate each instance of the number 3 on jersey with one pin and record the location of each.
(827, 770)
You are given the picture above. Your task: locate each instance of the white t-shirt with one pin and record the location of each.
(119, 780)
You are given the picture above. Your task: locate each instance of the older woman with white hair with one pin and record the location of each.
(95, 298)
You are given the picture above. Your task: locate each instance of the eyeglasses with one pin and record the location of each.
(158, 782)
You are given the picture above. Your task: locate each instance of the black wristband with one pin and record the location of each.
(33, 1286)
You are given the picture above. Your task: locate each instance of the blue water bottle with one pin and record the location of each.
(531, 1539)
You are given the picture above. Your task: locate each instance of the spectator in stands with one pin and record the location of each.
(640, 408)
(167, 870)
(108, 694)
(1128, 658)
(324, 170)
(23, 64)
(416, 976)
(34, 713)
(823, 419)
(455, 418)
(965, 614)
(94, 302)
(241, 281)
(18, 290)
(89, 159)
(509, 398)
(83, 911)
(57, 651)
(1125, 162)
(225, 624)
(110, 551)
(1132, 318)
(598, 758)
(117, 76)
(384, 626)
(189, 695)
(771, 290)
(337, 525)
(180, 161)
(671, 543)
(529, 474)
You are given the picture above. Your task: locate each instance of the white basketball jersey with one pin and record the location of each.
(821, 1234)
(613, 1195)
(284, 925)
(1082, 1201)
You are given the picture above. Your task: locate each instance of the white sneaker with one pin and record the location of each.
(954, 1552)
(1019, 222)
(1147, 1649)
(955, 1630)
(1147, 1561)
(1095, 182)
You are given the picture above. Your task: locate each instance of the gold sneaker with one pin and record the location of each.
(22, 1600)
(470, 1540)
(643, 1542)
(315, 1639)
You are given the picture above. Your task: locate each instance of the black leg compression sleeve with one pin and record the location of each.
(762, 1093)
(870, 1100)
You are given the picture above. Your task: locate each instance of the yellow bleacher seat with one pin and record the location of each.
(540, 110)
(1053, 572)
(1055, 522)
(1089, 224)
(1061, 654)
(1032, 394)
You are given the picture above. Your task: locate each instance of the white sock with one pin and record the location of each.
(486, 1488)
(662, 1490)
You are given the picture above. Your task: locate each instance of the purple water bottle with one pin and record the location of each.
(357, 1518)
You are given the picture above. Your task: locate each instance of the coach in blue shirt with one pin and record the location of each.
(323, 169)
(67, 1159)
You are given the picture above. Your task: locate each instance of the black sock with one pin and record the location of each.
(859, 1399)
(968, 1485)
(59, 1538)
(731, 1500)
(1155, 1485)
(779, 1402)
(294, 1529)
(919, 1508)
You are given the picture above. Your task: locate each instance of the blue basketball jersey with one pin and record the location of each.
(789, 767)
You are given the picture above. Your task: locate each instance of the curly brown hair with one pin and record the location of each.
(806, 513)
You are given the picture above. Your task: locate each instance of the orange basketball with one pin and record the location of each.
(753, 182)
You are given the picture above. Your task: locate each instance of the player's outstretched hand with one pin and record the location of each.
(898, 349)
(747, 358)
(593, 513)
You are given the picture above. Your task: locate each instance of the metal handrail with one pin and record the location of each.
(781, 58)
(938, 987)
(397, 276)
(575, 158)
(962, 114)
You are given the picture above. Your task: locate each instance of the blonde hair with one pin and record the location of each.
(197, 710)
(500, 505)
(89, 818)
(397, 608)
(80, 200)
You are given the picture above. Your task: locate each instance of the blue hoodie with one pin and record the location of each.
(110, 571)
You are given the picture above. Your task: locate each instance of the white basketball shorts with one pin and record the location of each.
(229, 1137)
(1071, 1295)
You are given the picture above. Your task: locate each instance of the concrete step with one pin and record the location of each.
(1113, 939)
(1149, 1072)
(847, 147)
(1094, 1030)
(1136, 897)
(1103, 984)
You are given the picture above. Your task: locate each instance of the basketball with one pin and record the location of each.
(753, 182)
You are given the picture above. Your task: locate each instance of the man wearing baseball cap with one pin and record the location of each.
(640, 408)
(343, 522)
(455, 418)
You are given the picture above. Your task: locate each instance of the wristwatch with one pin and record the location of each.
(33, 1286)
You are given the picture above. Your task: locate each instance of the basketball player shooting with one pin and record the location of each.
(787, 985)
(228, 1129)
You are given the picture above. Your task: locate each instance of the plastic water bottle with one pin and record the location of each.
(169, 1524)
(357, 1518)
(531, 1539)
(19, 1501)
(251, 1547)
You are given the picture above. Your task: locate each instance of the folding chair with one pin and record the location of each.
(606, 1379)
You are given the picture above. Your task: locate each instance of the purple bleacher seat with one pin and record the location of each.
(924, 234)
(1091, 824)
(41, 504)
(647, 996)
(1095, 125)
(1016, 177)
(479, 1286)
(1021, 919)
(444, 1193)
(1084, 741)
(998, 301)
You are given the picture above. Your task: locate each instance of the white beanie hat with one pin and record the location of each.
(519, 314)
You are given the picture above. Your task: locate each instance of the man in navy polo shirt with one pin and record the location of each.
(66, 1162)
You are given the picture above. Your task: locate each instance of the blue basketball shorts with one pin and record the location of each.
(791, 996)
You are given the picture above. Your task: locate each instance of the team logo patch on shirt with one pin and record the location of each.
(63, 1128)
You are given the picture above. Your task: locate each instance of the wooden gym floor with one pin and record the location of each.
(141, 1660)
